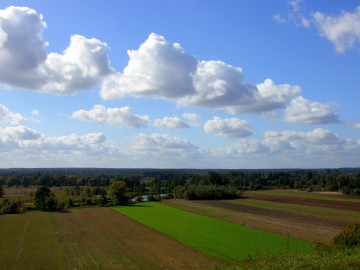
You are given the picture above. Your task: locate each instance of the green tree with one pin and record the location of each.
(45, 200)
(1, 191)
(117, 192)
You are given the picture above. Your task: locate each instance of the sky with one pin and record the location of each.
(220, 84)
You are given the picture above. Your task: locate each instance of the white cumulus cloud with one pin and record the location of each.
(9, 117)
(192, 118)
(19, 133)
(280, 149)
(164, 150)
(26, 64)
(159, 69)
(28, 148)
(304, 111)
(170, 123)
(113, 116)
(342, 30)
(230, 127)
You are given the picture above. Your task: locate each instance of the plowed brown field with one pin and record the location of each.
(89, 238)
(306, 201)
(100, 238)
(314, 229)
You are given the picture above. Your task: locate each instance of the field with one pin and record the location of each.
(63, 194)
(89, 238)
(172, 234)
(308, 216)
(216, 238)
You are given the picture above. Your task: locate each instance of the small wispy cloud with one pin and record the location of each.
(342, 30)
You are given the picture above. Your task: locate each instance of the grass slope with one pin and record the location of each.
(213, 237)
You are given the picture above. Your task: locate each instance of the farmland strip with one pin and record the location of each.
(305, 201)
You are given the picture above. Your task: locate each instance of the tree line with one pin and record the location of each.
(156, 181)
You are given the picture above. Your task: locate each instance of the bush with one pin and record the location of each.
(11, 207)
(69, 203)
(349, 237)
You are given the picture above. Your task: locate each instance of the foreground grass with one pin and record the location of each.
(333, 259)
(216, 238)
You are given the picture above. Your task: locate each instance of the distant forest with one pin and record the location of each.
(178, 181)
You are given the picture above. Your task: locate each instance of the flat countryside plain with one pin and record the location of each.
(174, 234)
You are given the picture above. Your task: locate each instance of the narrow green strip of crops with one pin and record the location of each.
(213, 237)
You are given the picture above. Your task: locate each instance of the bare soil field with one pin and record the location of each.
(291, 217)
(102, 238)
(352, 206)
(89, 238)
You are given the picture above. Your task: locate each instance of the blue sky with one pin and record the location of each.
(179, 84)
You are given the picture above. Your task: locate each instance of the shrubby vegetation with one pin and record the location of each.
(206, 192)
(11, 207)
(342, 253)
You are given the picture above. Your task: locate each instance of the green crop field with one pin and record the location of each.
(213, 237)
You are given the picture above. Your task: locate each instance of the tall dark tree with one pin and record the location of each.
(1, 191)
(117, 192)
(45, 200)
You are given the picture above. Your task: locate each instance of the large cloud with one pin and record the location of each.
(9, 117)
(113, 116)
(303, 111)
(230, 127)
(162, 70)
(321, 147)
(342, 30)
(164, 150)
(25, 147)
(26, 64)
(157, 69)
(280, 149)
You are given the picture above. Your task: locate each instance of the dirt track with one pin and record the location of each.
(306, 201)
